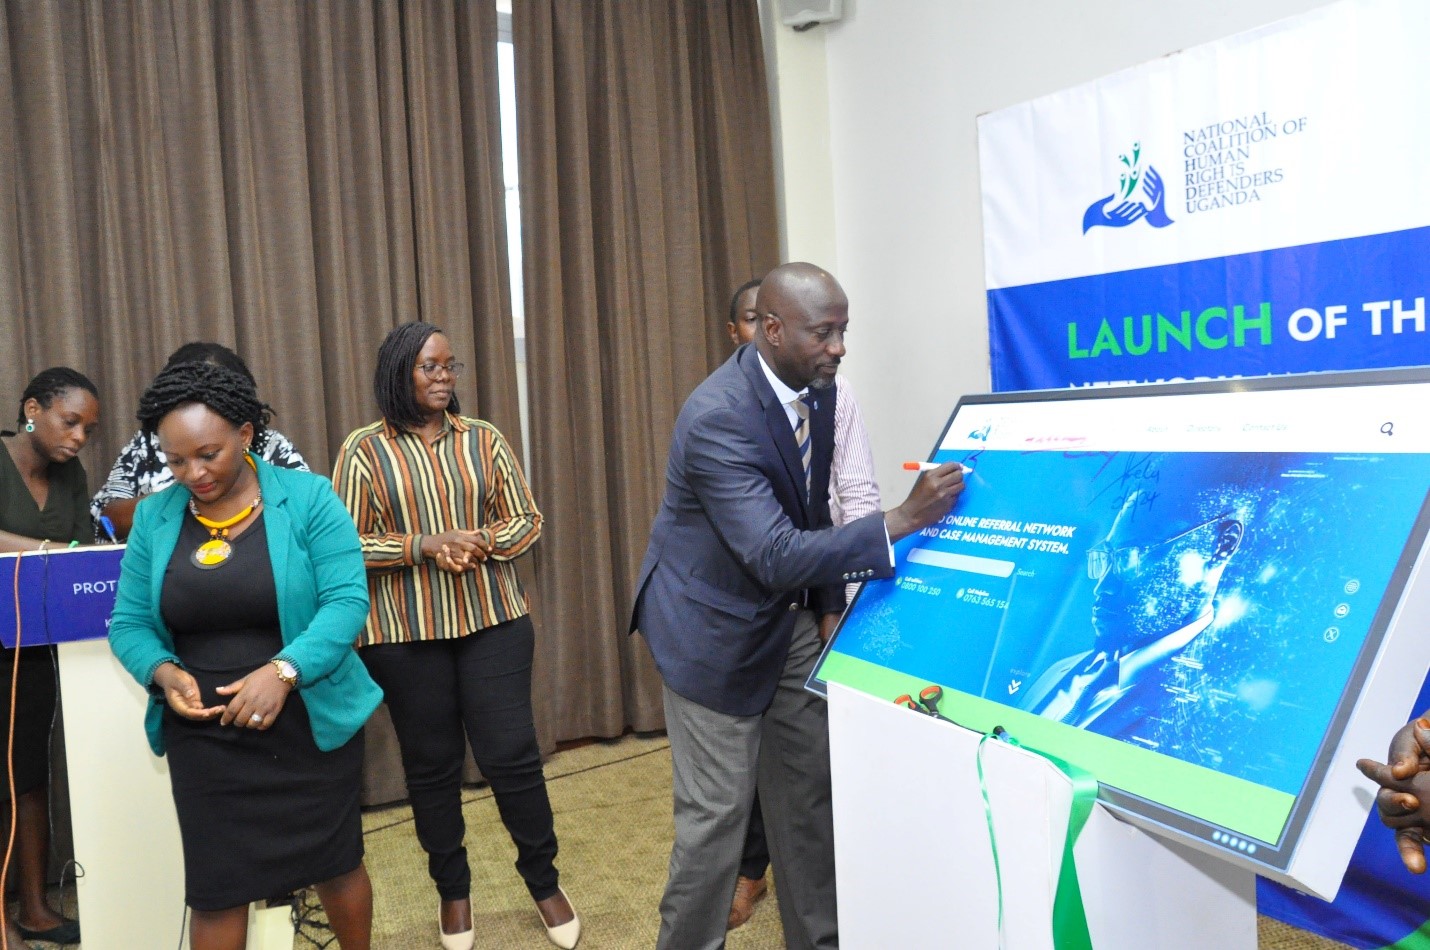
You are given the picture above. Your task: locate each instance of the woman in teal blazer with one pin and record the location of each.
(240, 596)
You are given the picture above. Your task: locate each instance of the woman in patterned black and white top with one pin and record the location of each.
(140, 469)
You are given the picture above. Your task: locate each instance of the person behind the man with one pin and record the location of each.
(1157, 573)
(741, 561)
(853, 493)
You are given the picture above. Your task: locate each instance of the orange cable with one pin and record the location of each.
(10, 767)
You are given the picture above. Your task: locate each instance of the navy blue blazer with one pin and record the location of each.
(735, 544)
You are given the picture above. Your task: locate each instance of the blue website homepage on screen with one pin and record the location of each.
(1179, 592)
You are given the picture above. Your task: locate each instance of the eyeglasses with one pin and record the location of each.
(1102, 558)
(453, 369)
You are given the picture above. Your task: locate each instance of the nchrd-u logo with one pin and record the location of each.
(1140, 196)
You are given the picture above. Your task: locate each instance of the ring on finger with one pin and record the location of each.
(256, 719)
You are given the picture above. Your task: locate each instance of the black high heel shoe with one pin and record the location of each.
(66, 931)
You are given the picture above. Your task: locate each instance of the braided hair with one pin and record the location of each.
(232, 395)
(735, 300)
(392, 381)
(203, 352)
(52, 383)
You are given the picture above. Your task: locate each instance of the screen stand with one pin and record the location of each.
(915, 865)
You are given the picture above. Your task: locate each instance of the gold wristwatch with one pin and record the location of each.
(286, 672)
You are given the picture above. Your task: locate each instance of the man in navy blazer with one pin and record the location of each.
(742, 563)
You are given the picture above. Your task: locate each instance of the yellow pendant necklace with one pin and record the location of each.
(216, 551)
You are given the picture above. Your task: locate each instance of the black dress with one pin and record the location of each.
(261, 813)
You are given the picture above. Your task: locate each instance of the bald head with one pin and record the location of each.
(803, 316)
(798, 288)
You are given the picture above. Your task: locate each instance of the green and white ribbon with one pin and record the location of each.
(1069, 916)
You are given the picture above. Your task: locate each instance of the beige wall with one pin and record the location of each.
(805, 169)
(892, 204)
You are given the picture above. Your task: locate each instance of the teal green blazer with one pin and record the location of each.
(322, 599)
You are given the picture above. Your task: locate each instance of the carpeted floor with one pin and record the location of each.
(612, 803)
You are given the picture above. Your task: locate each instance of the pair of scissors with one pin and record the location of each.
(927, 703)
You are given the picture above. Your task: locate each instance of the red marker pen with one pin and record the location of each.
(930, 466)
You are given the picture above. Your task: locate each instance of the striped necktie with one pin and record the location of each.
(801, 439)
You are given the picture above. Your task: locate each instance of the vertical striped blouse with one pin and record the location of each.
(399, 488)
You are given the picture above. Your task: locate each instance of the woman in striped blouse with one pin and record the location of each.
(442, 510)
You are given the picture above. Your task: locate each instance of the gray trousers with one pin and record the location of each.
(717, 762)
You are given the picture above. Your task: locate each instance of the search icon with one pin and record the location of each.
(1387, 429)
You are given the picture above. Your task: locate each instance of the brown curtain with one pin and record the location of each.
(647, 196)
(290, 177)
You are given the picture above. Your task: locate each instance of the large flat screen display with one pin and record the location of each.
(1180, 588)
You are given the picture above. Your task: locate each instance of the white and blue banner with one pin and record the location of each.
(1253, 206)
(1258, 205)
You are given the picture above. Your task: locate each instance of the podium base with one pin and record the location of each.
(125, 831)
(126, 835)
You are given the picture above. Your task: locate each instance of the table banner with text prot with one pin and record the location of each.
(1248, 207)
(64, 595)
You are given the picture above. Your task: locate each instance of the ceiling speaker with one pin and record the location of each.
(803, 14)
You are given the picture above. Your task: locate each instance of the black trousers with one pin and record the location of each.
(35, 699)
(480, 683)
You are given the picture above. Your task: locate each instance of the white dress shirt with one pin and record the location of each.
(853, 493)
